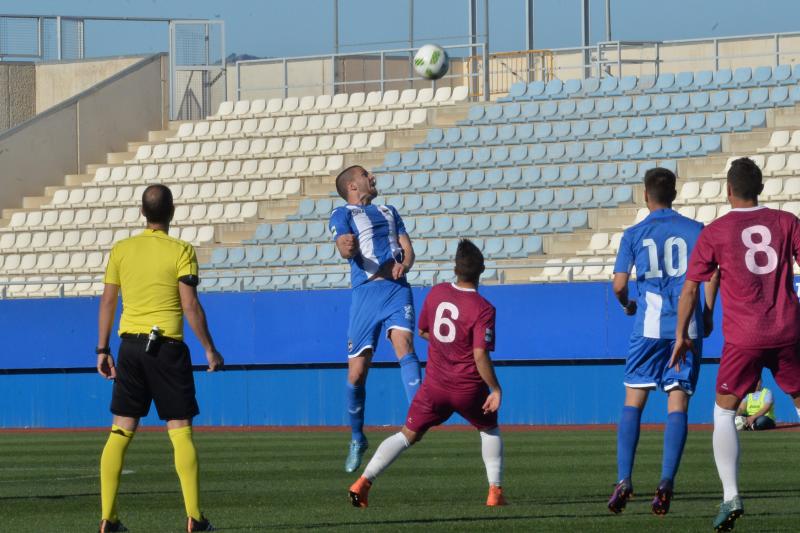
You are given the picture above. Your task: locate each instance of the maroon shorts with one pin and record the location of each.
(740, 368)
(433, 406)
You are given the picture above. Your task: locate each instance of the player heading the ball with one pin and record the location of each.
(375, 242)
(458, 323)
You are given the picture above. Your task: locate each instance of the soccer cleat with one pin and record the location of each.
(619, 498)
(495, 498)
(107, 526)
(355, 454)
(199, 525)
(662, 498)
(359, 491)
(729, 511)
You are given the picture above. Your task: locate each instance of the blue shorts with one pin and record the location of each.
(376, 304)
(647, 366)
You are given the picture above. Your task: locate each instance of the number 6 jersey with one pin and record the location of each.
(457, 320)
(755, 249)
(659, 247)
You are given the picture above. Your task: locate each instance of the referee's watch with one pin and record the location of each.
(105, 351)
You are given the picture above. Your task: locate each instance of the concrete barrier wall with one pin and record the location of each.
(17, 90)
(83, 129)
(59, 81)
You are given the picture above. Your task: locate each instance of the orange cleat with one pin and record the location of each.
(359, 491)
(495, 497)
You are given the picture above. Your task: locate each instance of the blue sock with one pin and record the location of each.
(627, 439)
(409, 373)
(674, 439)
(356, 396)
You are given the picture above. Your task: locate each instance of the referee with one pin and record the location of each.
(158, 279)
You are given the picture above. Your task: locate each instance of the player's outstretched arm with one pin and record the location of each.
(620, 286)
(711, 288)
(347, 245)
(486, 370)
(686, 305)
(105, 320)
(196, 317)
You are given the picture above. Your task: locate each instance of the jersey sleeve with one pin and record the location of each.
(796, 239)
(187, 262)
(424, 316)
(112, 268)
(625, 256)
(483, 334)
(339, 223)
(399, 225)
(703, 262)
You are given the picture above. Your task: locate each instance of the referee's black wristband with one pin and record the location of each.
(105, 351)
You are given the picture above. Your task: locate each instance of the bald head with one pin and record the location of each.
(157, 205)
(345, 178)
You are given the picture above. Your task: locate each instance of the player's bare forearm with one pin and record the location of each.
(105, 316)
(486, 368)
(711, 289)
(347, 245)
(686, 305)
(620, 287)
(195, 316)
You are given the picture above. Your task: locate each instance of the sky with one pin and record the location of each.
(285, 28)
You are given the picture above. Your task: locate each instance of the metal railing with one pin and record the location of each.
(506, 68)
(378, 70)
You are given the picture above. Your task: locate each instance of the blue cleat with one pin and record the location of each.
(729, 511)
(355, 454)
(623, 492)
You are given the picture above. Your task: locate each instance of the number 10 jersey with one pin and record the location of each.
(755, 249)
(659, 248)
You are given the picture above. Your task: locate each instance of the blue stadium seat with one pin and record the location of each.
(641, 103)
(632, 148)
(609, 86)
(700, 102)
(463, 156)
(410, 224)
(664, 82)
(638, 125)
(539, 223)
(505, 133)
(710, 143)
(762, 76)
(544, 198)
(569, 174)
(481, 155)
(599, 128)
(235, 258)
(505, 200)
(481, 224)
(500, 224)
(756, 119)
(451, 137)
(719, 100)
(585, 108)
(690, 145)
(492, 178)
(487, 201)
(604, 106)
(469, 135)
(289, 255)
(573, 151)
(493, 247)
(782, 74)
(529, 111)
(759, 97)
(723, 79)
(475, 113)
(550, 175)
(469, 202)
(779, 96)
(557, 222)
(555, 152)
(579, 129)
(532, 246)
(607, 172)
(438, 181)
(442, 226)
(408, 160)
(623, 105)
(435, 136)
(517, 154)
(738, 98)
(735, 121)
(554, 88)
(578, 220)
(627, 172)
(622, 195)
(487, 134)
(431, 203)
(304, 209)
(703, 80)
(401, 183)
(617, 127)
(326, 253)
(426, 159)
(582, 197)
(263, 232)
(587, 174)
(499, 155)
(280, 232)
(561, 130)
(572, 87)
(270, 254)
(494, 112)
(297, 232)
(548, 109)
(392, 159)
(531, 176)
(461, 225)
(475, 179)
(655, 125)
(456, 180)
(524, 133)
(566, 109)
(511, 111)
(660, 103)
(628, 83)
(591, 86)
(384, 182)
(516, 90)
(306, 254)
(676, 124)
(535, 89)
(450, 201)
(512, 177)
(518, 223)
(671, 146)
(410, 203)
(322, 208)
(602, 197)
(684, 81)
(526, 200)
(612, 149)
(742, 77)
(424, 225)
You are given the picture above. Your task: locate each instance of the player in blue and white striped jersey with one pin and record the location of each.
(659, 248)
(375, 242)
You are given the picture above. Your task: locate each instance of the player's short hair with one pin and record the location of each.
(344, 178)
(469, 261)
(659, 183)
(157, 206)
(744, 177)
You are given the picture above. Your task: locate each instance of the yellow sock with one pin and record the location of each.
(110, 470)
(188, 469)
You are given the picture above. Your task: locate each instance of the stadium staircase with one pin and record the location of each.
(544, 179)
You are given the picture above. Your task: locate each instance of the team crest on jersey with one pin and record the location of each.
(488, 336)
(409, 312)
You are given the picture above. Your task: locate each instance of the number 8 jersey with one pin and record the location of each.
(458, 320)
(755, 249)
(659, 247)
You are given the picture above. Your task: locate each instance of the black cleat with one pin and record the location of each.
(619, 498)
(199, 525)
(107, 526)
(663, 497)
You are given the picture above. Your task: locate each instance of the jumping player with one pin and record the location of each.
(754, 248)
(659, 248)
(459, 325)
(374, 240)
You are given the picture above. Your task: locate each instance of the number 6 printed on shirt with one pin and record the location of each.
(440, 321)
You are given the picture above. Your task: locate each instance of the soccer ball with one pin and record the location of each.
(431, 62)
(739, 420)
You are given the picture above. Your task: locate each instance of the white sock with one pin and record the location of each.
(726, 451)
(389, 450)
(492, 452)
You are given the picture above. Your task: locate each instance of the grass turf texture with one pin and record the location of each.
(554, 480)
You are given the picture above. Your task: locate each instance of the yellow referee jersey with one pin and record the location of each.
(146, 268)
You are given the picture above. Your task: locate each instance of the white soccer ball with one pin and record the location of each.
(431, 62)
(739, 420)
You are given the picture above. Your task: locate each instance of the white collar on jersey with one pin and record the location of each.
(456, 287)
(747, 209)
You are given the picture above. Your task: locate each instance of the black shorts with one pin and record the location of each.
(164, 377)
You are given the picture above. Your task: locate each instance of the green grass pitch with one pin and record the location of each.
(554, 480)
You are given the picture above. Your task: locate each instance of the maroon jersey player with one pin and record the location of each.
(458, 323)
(755, 249)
